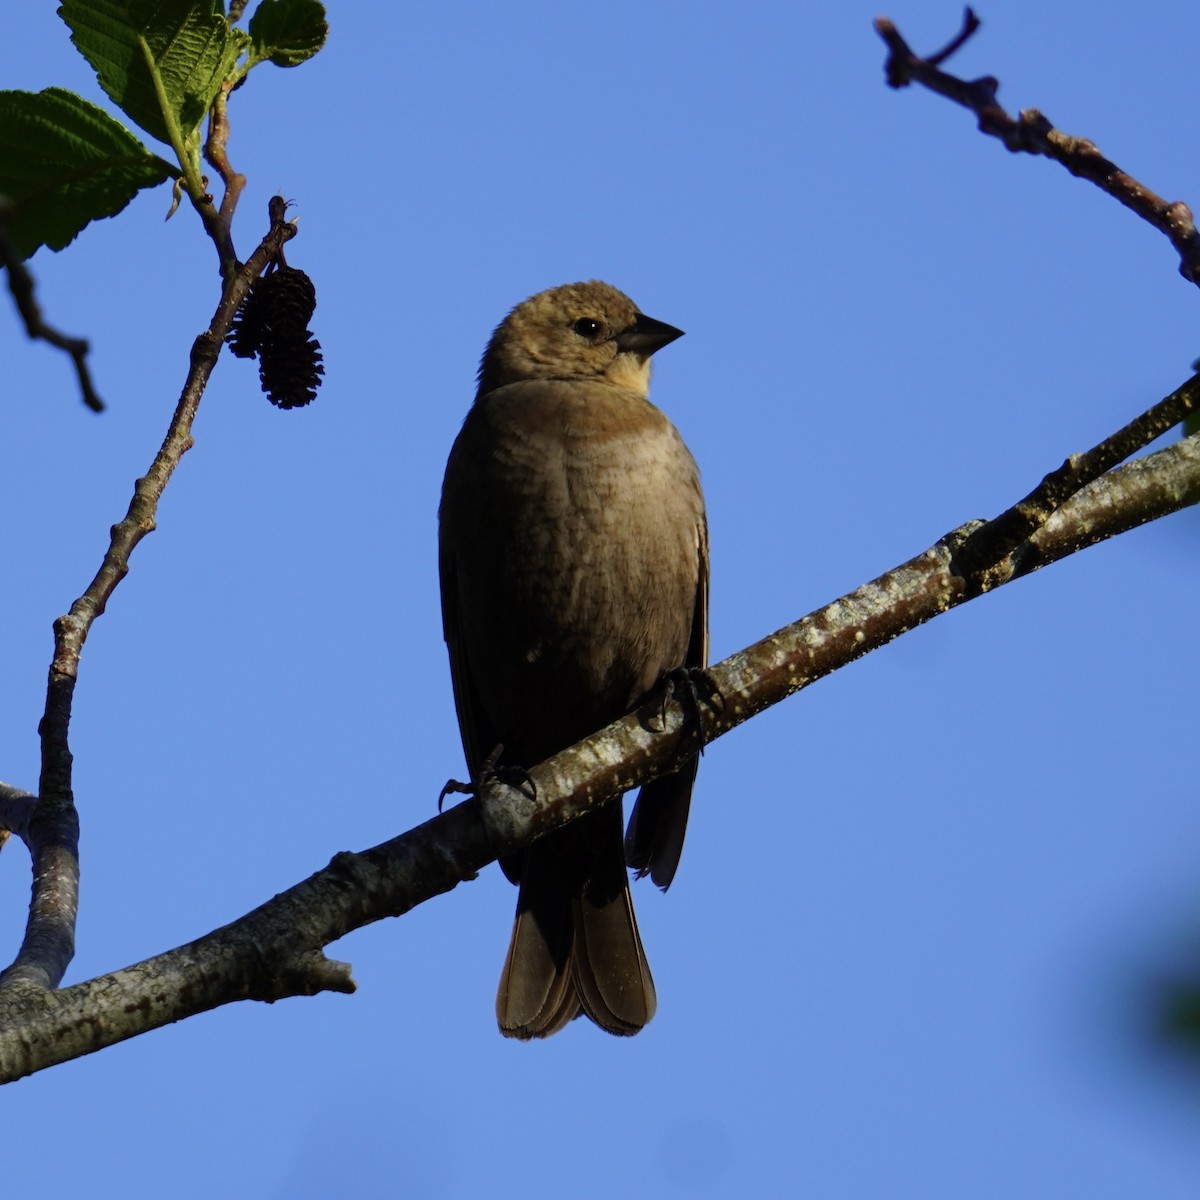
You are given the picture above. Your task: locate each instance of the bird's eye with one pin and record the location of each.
(587, 328)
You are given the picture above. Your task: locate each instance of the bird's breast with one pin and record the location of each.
(574, 524)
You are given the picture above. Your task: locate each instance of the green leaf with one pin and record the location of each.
(65, 162)
(288, 31)
(186, 46)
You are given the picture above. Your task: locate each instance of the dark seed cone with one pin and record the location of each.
(272, 323)
(289, 300)
(290, 370)
(245, 337)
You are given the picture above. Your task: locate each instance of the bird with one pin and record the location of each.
(573, 561)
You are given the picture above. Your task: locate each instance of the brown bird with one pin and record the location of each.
(573, 554)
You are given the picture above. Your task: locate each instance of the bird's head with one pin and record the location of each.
(574, 332)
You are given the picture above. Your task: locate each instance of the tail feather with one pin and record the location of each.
(658, 824)
(535, 998)
(612, 976)
(575, 945)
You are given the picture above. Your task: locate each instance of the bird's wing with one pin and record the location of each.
(478, 738)
(698, 646)
(658, 823)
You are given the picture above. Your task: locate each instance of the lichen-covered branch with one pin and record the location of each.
(990, 545)
(275, 951)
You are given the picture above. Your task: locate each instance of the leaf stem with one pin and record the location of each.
(188, 154)
(189, 164)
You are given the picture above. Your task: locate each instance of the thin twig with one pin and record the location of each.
(49, 936)
(970, 23)
(24, 293)
(1123, 499)
(1033, 133)
(216, 154)
(996, 540)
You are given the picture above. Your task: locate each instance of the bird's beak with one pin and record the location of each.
(646, 335)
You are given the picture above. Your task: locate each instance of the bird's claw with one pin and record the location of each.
(509, 775)
(699, 695)
(454, 786)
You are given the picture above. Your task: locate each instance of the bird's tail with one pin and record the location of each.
(575, 945)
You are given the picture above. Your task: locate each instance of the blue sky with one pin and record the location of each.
(914, 945)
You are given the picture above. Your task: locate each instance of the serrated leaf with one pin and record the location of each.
(187, 44)
(65, 162)
(286, 32)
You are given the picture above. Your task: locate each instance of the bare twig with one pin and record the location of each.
(970, 23)
(54, 828)
(1132, 495)
(992, 543)
(1033, 133)
(24, 293)
(215, 152)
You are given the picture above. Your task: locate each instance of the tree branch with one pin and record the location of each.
(220, 227)
(991, 544)
(24, 294)
(53, 832)
(1033, 133)
(276, 950)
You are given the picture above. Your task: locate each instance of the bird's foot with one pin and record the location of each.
(509, 775)
(698, 693)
